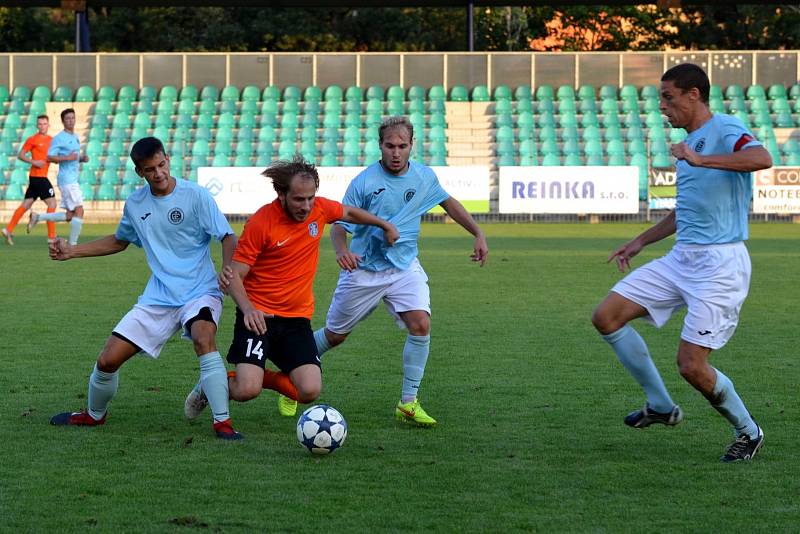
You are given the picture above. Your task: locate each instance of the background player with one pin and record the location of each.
(174, 222)
(65, 150)
(271, 280)
(39, 185)
(707, 270)
(400, 191)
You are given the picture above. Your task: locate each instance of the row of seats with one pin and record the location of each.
(457, 93)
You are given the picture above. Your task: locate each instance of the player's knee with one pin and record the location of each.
(689, 370)
(107, 363)
(420, 326)
(244, 392)
(203, 344)
(335, 339)
(308, 392)
(604, 322)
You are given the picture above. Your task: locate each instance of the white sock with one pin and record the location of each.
(75, 226)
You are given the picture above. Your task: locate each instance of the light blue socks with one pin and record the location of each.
(415, 356)
(56, 216)
(102, 387)
(632, 352)
(321, 341)
(727, 402)
(214, 381)
(75, 226)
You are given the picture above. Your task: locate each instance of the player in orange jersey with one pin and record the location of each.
(271, 280)
(39, 185)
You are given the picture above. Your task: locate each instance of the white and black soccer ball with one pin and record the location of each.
(321, 429)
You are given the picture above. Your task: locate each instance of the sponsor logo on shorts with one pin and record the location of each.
(704, 332)
(409, 194)
(175, 216)
(313, 229)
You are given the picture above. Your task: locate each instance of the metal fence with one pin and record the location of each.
(405, 69)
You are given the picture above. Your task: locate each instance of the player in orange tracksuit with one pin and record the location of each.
(271, 280)
(39, 185)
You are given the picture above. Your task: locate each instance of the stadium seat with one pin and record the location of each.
(734, 91)
(209, 92)
(480, 93)
(375, 92)
(62, 94)
(291, 92)
(333, 93)
(169, 93)
(147, 92)
(106, 192)
(41, 92)
(251, 93)
(271, 92)
(586, 93)
(565, 92)
(544, 92)
(14, 192)
(502, 92)
(458, 93)
(436, 93)
(230, 93)
(353, 94)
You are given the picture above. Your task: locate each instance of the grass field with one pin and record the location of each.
(530, 403)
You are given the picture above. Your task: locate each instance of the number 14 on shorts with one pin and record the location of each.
(257, 350)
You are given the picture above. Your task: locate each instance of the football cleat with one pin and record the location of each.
(224, 430)
(33, 221)
(646, 417)
(196, 401)
(412, 412)
(9, 237)
(743, 448)
(286, 407)
(76, 419)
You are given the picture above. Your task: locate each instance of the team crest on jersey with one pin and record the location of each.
(409, 194)
(313, 229)
(175, 216)
(700, 145)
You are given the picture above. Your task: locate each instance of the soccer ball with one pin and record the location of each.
(321, 429)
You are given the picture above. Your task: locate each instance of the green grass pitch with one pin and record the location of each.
(529, 399)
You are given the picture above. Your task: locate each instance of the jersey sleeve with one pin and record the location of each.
(353, 197)
(332, 209)
(28, 146)
(212, 219)
(126, 231)
(54, 147)
(435, 194)
(251, 242)
(736, 137)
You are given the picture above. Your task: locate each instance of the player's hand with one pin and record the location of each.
(225, 277)
(624, 254)
(682, 151)
(391, 235)
(348, 261)
(37, 163)
(59, 249)
(480, 252)
(254, 320)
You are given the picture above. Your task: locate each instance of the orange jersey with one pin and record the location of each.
(38, 145)
(283, 254)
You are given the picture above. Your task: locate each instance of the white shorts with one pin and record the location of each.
(359, 292)
(71, 196)
(712, 280)
(150, 327)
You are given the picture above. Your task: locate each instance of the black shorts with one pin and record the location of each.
(288, 343)
(39, 188)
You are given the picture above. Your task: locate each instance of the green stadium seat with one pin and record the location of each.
(221, 159)
(458, 93)
(544, 92)
(791, 146)
(794, 91)
(551, 160)
(649, 92)
(395, 93)
(586, 93)
(266, 133)
(251, 93)
(716, 105)
(228, 106)
(630, 105)
(776, 91)
(612, 132)
(502, 92)
(353, 93)
(271, 92)
(480, 93)
(147, 92)
(591, 133)
(311, 93)
(21, 93)
(734, 91)
(629, 92)
(4, 95)
(504, 133)
(662, 161)
(780, 104)
(230, 93)
(375, 92)
(523, 92)
(565, 92)
(106, 192)
(209, 92)
(756, 91)
(41, 92)
(504, 119)
(437, 119)
(792, 159)
(714, 92)
(616, 160)
(615, 147)
(570, 132)
(573, 160)
(62, 94)
(593, 147)
(546, 119)
(333, 93)
(570, 146)
(677, 135)
(395, 107)
(737, 103)
(608, 92)
(291, 92)
(525, 120)
(784, 119)
(568, 119)
(126, 93)
(437, 93)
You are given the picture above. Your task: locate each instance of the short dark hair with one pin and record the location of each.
(281, 173)
(65, 112)
(146, 148)
(688, 76)
(43, 117)
(395, 122)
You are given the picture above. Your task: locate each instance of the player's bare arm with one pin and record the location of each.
(346, 259)
(253, 318)
(359, 216)
(746, 160)
(459, 214)
(664, 228)
(60, 250)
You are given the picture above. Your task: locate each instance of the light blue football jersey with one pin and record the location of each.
(64, 144)
(402, 200)
(175, 232)
(712, 204)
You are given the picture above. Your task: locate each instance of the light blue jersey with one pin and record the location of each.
(712, 204)
(64, 144)
(401, 200)
(175, 232)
